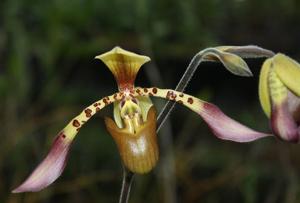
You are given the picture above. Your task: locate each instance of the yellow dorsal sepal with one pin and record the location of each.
(124, 65)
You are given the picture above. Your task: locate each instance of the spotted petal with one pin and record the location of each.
(54, 163)
(221, 125)
(50, 168)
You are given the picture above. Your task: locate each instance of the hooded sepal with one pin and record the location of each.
(50, 168)
(124, 65)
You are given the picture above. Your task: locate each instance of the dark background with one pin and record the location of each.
(48, 75)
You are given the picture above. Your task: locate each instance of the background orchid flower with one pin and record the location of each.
(134, 125)
(279, 93)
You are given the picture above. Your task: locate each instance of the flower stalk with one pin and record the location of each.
(215, 54)
(126, 185)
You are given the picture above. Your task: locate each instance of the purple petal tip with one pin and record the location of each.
(226, 128)
(49, 169)
(283, 124)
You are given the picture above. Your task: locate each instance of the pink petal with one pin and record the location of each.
(53, 165)
(283, 123)
(294, 106)
(50, 168)
(226, 128)
(222, 126)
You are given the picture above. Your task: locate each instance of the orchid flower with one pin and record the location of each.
(279, 93)
(134, 125)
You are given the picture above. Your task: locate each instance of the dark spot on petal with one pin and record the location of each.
(168, 94)
(76, 123)
(145, 90)
(88, 112)
(122, 103)
(134, 100)
(181, 95)
(180, 102)
(171, 95)
(115, 95)
(154, 90)
(190, 100)
(106, 101)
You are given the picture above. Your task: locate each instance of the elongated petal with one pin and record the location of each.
(232, 62)
(283, 124)
(263, 87)
(221, 125)
(52, 166)
(124, 65)
(226, 128)
(288, 71)
(249, 51)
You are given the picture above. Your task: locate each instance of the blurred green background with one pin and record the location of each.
(48, 74)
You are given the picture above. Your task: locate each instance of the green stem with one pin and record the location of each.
(185, 79)
(126, 185)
